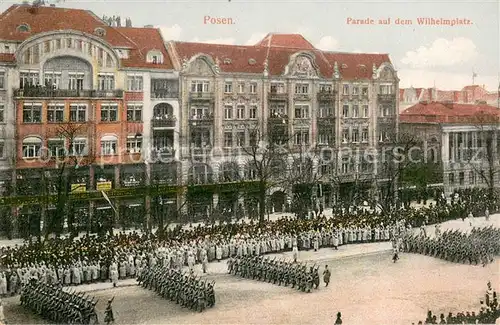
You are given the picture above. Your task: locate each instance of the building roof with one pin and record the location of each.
(46, 19)
(446, 112)
(274, 49)
(145, 40)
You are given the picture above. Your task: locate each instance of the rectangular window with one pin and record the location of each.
(345, 135)
(240, 112)
(278, 88)
(364, 135)
(2, 80)
(2, 112)
(365, 111)
(134, 83)
(228, 139)
(345, 90)
(252, 112)
(200, 138)
(77, 113)
(240, 139)
(386, 89)
(32, 113)
(31, 150)
(105, 81)
(325, 88)
(302, 89)
(241, 88)
(355, 90)
(364, 91)
(253, 88)
(198, 86)
(277, 110)
(324, 138)
(55, 113)
(355, 135)
(472, 177)
(52, 79)
(134, 144)
(325, 110)
(228, 112)
(302, 138)
(199, 112)
(56, 148)
(109, 112)
(355, 111)
(345, 165)
(451, 178)
(301, 111)
(75, 80)
(28, 79)
(108, 147)
(228, 87)
(134, 112)
(345, 111)
(79, 147)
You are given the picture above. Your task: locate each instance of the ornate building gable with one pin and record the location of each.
(302, 65)
(200, 65)
(43, 47)
(385, 72)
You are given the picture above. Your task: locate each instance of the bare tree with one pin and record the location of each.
(484, 156)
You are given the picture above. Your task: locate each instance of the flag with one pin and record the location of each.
(109, 201)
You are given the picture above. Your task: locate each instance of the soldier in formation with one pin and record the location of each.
(479, 246)
(184, 289)
(276, 271)
(53, 304)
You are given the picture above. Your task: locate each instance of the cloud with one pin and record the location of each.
(172, 33)
(255, 38)
(442, 52)
(227, 40)
(443, 80)
(327, 43)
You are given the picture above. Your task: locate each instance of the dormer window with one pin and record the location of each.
(99, 31)
(227, 61)
(24, 28)
(155, 57)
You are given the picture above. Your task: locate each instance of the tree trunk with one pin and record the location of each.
(262, 201)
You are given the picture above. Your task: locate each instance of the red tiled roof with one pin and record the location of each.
(289, 41)
(7, 57)
(351, 65)
(145, 39)
(46, 19)
(441, 112)
(419, 92)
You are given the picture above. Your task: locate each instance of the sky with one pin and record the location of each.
(423, 55)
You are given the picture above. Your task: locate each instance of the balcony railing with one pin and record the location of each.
(386, 97)
(164, 122)
(280, 97)
(206, 119)
(61, 93)
(329, 120)
(303, 97)
(163, 94)
(278, 119)
(201, 96)
(325, 96)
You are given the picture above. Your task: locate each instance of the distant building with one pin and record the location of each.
(465, 138)
(472, 94)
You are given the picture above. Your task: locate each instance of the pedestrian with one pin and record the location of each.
(487, 214)
(326, 276)
(339, 318)
(295, 253)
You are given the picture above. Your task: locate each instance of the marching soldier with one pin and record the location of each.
(326, 275)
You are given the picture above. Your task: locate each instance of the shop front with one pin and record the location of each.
(132, 175)
(104, 178)
(103, 218)
(29, 182)
(78, 216)
(132, 213)
(199, 200)
(163, 210)
(29, 221)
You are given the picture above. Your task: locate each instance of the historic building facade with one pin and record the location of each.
(463, 138)
(331, 108)
(94, 100)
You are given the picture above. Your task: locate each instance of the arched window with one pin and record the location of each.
(200, 174)
(163, 111)
(23, 28)
(155, 57)
(32, 147)
(229, 172)
(109, 144)
(251, 171)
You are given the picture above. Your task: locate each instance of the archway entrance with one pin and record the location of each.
(278, 200)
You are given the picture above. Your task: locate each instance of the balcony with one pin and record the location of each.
(277, 97)
(163, 154)
(386, 98)
(324, 96)
(302, 97)
(278, 119)
(201, 96)
(164, 94)
(207, 119)
(164, 122)
(44, 92)
(326, 121)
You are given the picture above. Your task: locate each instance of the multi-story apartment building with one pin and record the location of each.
(73, 86)
(463, 138)
(287, 89)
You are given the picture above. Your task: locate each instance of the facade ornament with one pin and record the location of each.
(336, 73)
(266, 68)
(217, 65)
(184, 63)
(374, 69)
